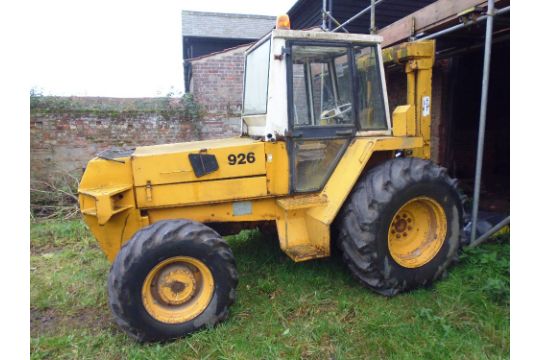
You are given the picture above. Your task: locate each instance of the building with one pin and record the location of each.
(205, 33)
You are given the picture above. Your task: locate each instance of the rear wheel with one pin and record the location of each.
(401, 226)
(171, 279)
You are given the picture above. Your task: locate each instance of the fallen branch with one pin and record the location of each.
(55, 198)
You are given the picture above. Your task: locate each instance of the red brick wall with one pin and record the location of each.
(67, 132)
(218, 81)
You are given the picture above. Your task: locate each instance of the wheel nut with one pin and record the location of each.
(409, 220)
(398, 236)
(393, 231)
(404, 234)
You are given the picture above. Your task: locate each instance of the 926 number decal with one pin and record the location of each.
(241, 158)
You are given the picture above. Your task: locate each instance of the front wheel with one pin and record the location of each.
(171, 279)
(401, 225)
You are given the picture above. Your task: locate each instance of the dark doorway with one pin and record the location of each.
(464, 104)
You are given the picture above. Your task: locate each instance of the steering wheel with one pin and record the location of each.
(336, 113)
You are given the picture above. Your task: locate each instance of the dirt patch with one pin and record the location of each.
(52, 321)
(312, 310)
(44, 249)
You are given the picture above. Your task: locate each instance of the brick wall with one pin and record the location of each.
(66, 132)
(218, 79)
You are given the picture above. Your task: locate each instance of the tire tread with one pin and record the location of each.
(154, 236)
(357, 235)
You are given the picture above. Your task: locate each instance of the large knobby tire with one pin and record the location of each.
(401, 225)
(172, 278)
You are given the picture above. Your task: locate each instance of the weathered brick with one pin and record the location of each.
(64, 140)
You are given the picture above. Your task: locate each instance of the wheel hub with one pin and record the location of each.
(176, 285)
(177, 289)
(417, 232)
(400, 225)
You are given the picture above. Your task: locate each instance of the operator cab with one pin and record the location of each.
(313, 80)
(316, 90)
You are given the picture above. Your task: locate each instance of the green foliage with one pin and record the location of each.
(284, 310)
(40, 103)
(428, 315)
(192, 110)
(497, 259)
(185, 108)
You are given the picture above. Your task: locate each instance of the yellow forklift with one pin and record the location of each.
(319, 155)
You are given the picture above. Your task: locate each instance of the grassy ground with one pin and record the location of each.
(312, 310)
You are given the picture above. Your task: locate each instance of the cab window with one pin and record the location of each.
(321, 86)
(256, 79)
(370, 96)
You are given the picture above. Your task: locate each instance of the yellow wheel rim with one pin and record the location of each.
(177, 289)
(417, 232)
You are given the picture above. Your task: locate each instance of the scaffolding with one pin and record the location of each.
(328, 20)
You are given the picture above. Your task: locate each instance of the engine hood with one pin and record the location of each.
(143, 151)
(177, 163)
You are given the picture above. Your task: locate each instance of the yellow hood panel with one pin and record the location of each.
(169, 164)
(193, 146)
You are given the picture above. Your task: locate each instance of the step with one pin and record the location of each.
(302, 202)
(304, 252)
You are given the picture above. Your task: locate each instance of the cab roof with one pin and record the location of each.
(318, 35)
(327, 36)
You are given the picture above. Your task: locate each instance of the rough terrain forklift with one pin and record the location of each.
(319, 155)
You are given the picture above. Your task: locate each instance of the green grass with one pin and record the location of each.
(312, 310)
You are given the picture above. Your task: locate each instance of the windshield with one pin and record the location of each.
(256, 79)
(323, 91)
(321, 86)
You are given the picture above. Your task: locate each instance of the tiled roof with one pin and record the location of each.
(222, 25)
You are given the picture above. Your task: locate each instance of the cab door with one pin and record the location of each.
(322, 111)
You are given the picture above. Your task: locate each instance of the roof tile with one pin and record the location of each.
(224, 25)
